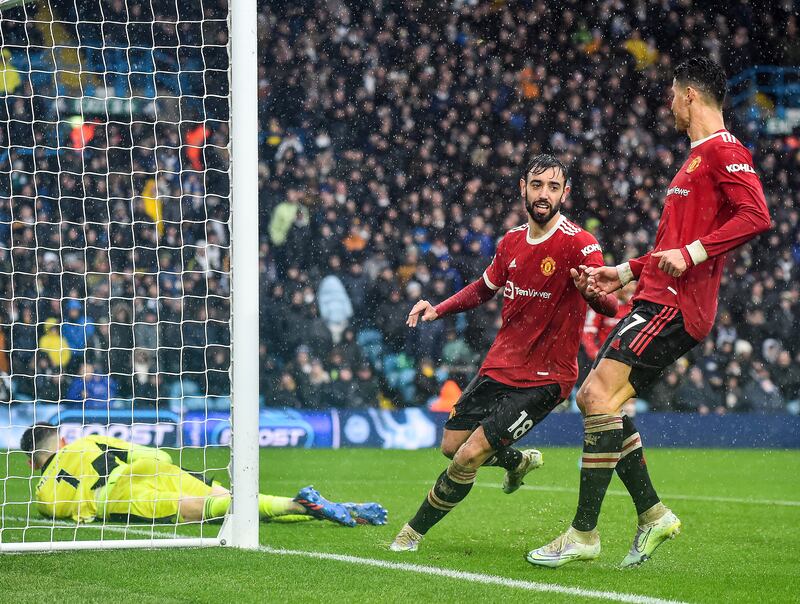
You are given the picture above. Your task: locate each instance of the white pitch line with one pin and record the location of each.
(475, 577)
(401, 566)
(787, 503)
(614, 492)
(34, 523)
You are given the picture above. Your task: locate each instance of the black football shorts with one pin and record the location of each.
(648, 340)
(505, 412)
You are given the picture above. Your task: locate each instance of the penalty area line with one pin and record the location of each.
(470, 577)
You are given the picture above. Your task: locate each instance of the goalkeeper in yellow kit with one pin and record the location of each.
(112, 479)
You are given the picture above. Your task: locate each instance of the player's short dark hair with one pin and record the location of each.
(704, 74)
(37, 435)
(544, 161)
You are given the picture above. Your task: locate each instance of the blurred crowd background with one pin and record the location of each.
(392, 137)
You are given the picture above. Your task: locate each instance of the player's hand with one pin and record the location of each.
(671, 262)
(423, 309)
(603, 280)
(581, 280)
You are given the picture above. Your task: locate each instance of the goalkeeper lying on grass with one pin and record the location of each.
(111, 479)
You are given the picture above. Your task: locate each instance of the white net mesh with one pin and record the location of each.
(114, 244)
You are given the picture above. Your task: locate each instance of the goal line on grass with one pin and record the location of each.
(146, 538)
(470, 577)
(458, 575)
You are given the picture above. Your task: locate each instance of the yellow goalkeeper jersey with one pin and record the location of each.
(72, 475)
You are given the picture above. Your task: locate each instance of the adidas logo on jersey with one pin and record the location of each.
(513, 263)
(733, 168)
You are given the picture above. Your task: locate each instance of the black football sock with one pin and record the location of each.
(632, 468)
(507, 457)
(450, 488)
(602, 443)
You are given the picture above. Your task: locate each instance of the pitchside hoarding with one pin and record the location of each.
(413, 428)
(153, 428)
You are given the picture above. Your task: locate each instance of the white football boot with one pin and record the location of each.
(649, 536)
(407, 540)
(572, 546)
(531, 459)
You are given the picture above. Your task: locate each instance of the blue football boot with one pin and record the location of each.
(321, 508)
(367, 513)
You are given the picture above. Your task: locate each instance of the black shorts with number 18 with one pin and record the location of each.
(505, 412)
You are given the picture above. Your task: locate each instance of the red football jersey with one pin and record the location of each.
(714, 204)
(543, 311)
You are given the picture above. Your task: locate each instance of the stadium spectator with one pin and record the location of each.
(425, 381)
(695, 395)
(787, 376)
(90, 389)
(662, 396)
(762, 394)
(77, 327)
(335, 307)
(54, 345)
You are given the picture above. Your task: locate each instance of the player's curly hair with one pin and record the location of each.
(704, 74)
(544, 161)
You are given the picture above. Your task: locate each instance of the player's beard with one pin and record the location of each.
(542, 219)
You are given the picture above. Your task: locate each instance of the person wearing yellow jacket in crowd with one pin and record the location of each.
(53, 343)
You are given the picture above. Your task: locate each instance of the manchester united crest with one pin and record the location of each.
(548, 266)
(693, 165)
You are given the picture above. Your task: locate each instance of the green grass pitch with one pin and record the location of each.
(740, 510)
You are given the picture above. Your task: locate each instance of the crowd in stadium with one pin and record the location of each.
(402, 167)
(391, 143)
(113, 237)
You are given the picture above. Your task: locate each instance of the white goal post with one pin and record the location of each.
(129, 254)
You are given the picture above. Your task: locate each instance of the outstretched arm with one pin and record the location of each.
(600, 303)
(474, 294)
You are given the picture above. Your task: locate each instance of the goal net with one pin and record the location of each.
(115, 270)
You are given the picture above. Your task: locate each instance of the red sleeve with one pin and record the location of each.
(474, 294)
(590, 254)
(741, 188)
(607, 305)
(637, 264)
(590, 335)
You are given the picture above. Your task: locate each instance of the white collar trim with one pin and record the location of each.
(546, 236)
(708, 138)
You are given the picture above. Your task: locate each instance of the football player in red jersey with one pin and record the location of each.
(599, 326)
(714, 204)
(532, 364)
